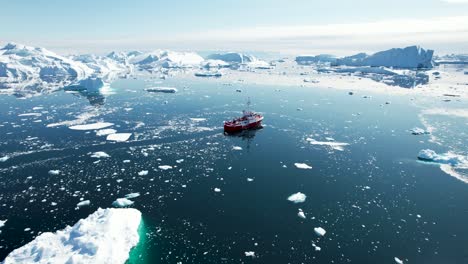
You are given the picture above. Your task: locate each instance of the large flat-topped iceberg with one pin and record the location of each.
(409, 57)
(106, 236)
(232, 57)
(322, 58)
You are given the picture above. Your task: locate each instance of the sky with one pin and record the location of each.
(339, 27)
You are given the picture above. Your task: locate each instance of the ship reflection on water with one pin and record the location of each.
(246, 135)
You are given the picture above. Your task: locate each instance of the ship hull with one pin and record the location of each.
(236, 128)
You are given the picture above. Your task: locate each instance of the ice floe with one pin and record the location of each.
(236, 148)
(4, 158)
(331, 143)
(445, 158)
(83, 203)
(119, 137)
(132, 195)
(419, 131)
(93, 126)
(54, 172)
(217, 189)
(106, 236)
(122, 202)
(165, 167)
(398, 261)
(143, 173)
(100, 154)
(297, 197)
(301, 214)
(249, 254)
(2, 223)
(302, 166)
(105, 132)
(319, 231)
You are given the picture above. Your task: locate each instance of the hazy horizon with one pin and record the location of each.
(307, 27)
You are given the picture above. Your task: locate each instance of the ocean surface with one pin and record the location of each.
(373, 197)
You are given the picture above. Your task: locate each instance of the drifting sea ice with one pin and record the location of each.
(122, 202)
(249, 254)
(302, 166)
(399, 261)
(90, 240)
(54, 172)
(2, 223)
(105, 132)
(297, 197)
(217, 189)
(419, 131)
(446, 158)
(132, 195)
(143, 173)
(119, 137)
(83, 203)
(334, 145)
(165, 167)
(93, 126)
(236, 148)
(161, 90)
(100, 154)
(4, 158)
(301, 214)
(319, 231)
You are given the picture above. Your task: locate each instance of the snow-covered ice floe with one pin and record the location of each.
(319, 231)
(93, 126)
(119, 137)
(249, 254)
(100, 154)
(332, 144)
(54, 172)
(297, 198)
(132, 195)
(122, 202)
(419, 131)
(4, 158)
(2, 223)
(398, 261)
(105, 132)
(106, 236)
(161, 89)
(165, 167)
(83, 203)
(302, 166)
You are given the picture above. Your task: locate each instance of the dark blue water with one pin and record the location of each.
(374, 199)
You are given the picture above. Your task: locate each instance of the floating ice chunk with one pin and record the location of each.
(2, 223)
(143, 173)
(302, 166)
(100, 154)
(196, 119)
(301, 214)
(446, 158)
(297, 197)
(4, 158)
(106, 236)
(236, 148)
(165, 167)
(122, 202)
(419, 131)
(119, 137)
(179, 161)
(208, 74)
(105, 132)
(249, 254)
(317, 248)
(334, 145)
(83, 203)
(132, 195)
(161, 89)
(217, 189)
(250, 179)
(30, 114)
(54, 172)
(319, 231)
(93, 126)
(399, 261)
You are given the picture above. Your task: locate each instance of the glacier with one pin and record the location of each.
(106, 236)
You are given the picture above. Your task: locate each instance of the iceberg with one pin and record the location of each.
(167, 59)
(208, 74)
(297, 198)
(419, 131)
(100, 154)
(2, 223)
(413, 57)
(106, 236)
(319, 231)
(446, 158)
(232, 57)
(332, 144)
(4, 158)
(302, 166)
(122, 202)
(119, 137)
(308, 60)
(93, 126)
(83, 203)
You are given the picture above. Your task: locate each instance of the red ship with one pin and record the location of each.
(248, 120)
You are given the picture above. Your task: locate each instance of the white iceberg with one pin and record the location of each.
(119, 137)
(236, 148)
(83, 203)
(100, 154)
(106, 236)
(319, 231)
(54, 172)
(132, 195)
(249, 254)
(232, 57)
(409, 57)
(419, 131)
(165, 167)
(297, 198)
(332, 144)
(4, 158)
(397, 260)
(301, 214)
(302, 166)
(93, 126)
(2, 223)
(122, 202)
(143, 173)
(105, 132)
(167, 59)
(446, 158)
